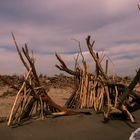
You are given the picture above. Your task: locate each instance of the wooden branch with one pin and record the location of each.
(93, 54)
(60, 60)
(106, 67)
(19, 53)
(16, 99)
(129, 89)
(97, 68)
(63, 67)
(26, 53)
(113, 67)
(80, 49)
(125, 110)
(45, 98)
(31, 62)
(76, 65)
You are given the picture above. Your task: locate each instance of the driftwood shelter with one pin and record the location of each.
(95, 90)
(32, 99)
(99, 91)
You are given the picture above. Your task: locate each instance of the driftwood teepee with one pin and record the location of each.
(32, 99)
(97, 90)
(93, 90)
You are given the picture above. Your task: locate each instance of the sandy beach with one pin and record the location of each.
(83, 127)
(70, 70)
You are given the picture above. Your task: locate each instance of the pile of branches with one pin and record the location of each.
(97, 90)
(14, 79)
(60, 81)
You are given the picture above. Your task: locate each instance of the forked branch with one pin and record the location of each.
(63, 67)
(94, 56)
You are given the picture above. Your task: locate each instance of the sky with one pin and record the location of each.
(49, 26)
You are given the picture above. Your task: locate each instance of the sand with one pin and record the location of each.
(79, 127)
(59, 95)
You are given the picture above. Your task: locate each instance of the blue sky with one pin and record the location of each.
(48, 26)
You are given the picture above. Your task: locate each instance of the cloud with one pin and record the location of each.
(9, 63)
(49, 26)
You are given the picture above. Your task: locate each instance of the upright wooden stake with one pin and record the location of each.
(106, 67)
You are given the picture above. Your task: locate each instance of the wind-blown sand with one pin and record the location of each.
(79, 127)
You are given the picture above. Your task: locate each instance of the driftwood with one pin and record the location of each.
(16, 99)
(92, 90)
(96, 90)
(32, 99)
(94, 56)
(63, 67)
(129, 89)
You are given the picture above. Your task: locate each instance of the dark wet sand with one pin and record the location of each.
(79, 127)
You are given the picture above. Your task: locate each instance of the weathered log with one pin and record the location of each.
(129, 89)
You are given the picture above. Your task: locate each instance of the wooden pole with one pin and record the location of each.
(17, 96)
(106, 67)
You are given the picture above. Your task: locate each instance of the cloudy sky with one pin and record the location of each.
(48, 26)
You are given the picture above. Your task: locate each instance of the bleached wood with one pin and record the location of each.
(17, 96)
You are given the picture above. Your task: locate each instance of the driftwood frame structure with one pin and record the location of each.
(32, 99)
(97, 90)
(92, 90)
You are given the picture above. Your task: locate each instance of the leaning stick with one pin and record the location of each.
(23, 85)
(31, 62)
(25, 101)
(85, 86)
(116, 96)
(128, 113)
(106, 67)
(101, 99)
(81, 88)
(129, 89)
(106, 114)
(19, 53)
(55, 114)
(41, 108)
(94, 56)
